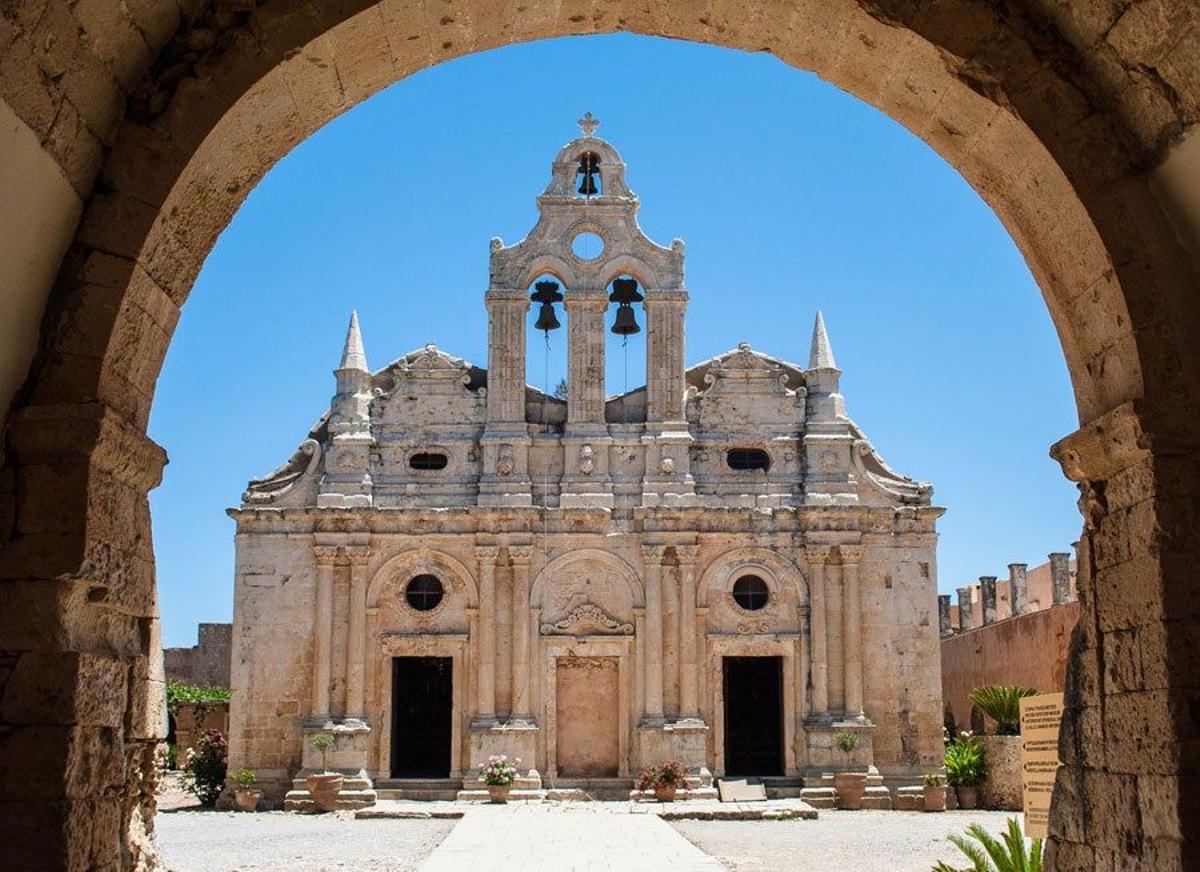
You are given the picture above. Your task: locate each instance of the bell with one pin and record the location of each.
(589, 165)
(625, 291)
(547, 320)
(625, 323)
(546, 293)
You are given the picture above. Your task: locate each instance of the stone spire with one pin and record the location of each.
(353, 355)
(820, 355)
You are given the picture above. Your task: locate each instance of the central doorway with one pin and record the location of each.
(586, 717)
(422, 708)
(753, 688)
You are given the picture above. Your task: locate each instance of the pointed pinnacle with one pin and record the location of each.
(353, 356)
(820, 356)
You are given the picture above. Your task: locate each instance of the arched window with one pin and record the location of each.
(625, 349)
(589, 174)
(546, 351)
(751, 593)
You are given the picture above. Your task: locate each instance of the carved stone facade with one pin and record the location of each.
(587, 572)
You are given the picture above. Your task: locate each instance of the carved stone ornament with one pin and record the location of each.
(588, 617)
(504, 461)
(666, 466)
(587, 465)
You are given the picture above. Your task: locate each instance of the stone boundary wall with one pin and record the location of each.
(205, 664)
(1029, 650)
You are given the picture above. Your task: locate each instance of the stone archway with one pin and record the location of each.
(1066, 118)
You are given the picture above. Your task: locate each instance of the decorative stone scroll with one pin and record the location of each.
(588, 617)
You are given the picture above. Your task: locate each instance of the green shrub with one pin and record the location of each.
(244, 779)
(323, 742)
(178, 694)
(206, 767)
(965, 763)
(1002, 703)
(1007, 854)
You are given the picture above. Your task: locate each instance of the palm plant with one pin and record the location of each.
(1007, 854)
(1002, 703)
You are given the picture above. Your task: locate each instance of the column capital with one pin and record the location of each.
(851, 554)
(818, 553)
(653, 554)
(486, 554)
(507, 295)
(358, 555)
(325, 555)
(583, 299)
(520, 554)
(687, 554)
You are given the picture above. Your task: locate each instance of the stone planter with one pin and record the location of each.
(247, 800)
(324, 789)
(935, 797)
(498, 793)
(968, 797)
(850, 789)
(665, 793)
(1002, 787)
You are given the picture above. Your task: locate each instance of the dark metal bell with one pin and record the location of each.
(625, 291)
(547, 320)
(589, 166)
(625, 323)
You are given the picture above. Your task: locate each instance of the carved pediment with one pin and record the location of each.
(585, 619)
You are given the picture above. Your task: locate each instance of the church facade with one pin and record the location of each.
(716, 567)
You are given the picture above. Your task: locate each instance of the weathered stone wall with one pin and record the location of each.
(1030, 650)
(205, 664)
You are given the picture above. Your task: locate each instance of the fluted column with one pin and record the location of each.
(520, 555)
(506, 355)
(356, 648)
(688, 690)
(665, 355)
(325, 557)
(485, 705)
(653, 667)
(585, 356)
(820, 647)
(852, 632)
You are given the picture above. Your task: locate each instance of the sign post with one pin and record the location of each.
(1040, 719)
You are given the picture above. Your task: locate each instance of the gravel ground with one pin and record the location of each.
(200, 841)
(888, 841)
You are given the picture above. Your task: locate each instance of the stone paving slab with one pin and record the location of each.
(571, 837)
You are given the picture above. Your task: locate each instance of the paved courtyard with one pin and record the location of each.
(571, 837)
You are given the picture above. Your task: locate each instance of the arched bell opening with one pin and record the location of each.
(625, 351)
(546, 352)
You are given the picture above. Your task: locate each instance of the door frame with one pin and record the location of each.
(776, 667)
(553, 647)
(789, 647)
(452, 645)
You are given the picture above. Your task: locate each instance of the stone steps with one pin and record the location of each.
(357, 792)
(421, 789)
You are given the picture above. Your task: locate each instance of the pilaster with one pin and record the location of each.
(359, 556)
(520, 556)
(325, 557)
(485, 705)
(652, 556)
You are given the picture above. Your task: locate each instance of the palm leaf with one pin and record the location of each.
(1002, 703)
(979, 860)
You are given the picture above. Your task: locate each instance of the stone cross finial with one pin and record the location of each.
(588, 124)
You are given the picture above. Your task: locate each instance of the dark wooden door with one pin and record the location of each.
(422, 706)
(753, 715)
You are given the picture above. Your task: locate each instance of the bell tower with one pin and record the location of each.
(588, 196)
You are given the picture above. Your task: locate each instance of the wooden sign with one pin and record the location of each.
(1040, 719)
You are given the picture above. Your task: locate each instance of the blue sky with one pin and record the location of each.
(791, 196)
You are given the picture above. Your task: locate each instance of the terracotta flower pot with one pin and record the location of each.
(499, 792)
(968, 796)
(324, 789)
(665, 792)
(935, 797)
(247, 800)
(850, 789)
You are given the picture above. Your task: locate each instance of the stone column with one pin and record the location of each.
(820, 649)
(506, 355)
(653, 665)
(520, 555)
(987, 598)
(485, 704)
(1018, 588)
(665, 355)
(1060, 577)
(852, 632)
(944, 628)
(585, 356)
(357, 646)
(964, 609)
(326, 557)
(688, 689)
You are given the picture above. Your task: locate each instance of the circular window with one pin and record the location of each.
(587, 245)
(424, 592)
(751, 592)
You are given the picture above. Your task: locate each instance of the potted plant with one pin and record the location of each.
(324, 786)
(244, 793)
(850, 785)
(498, 775)
(935, 792)
(965, 769)
(665, 779)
